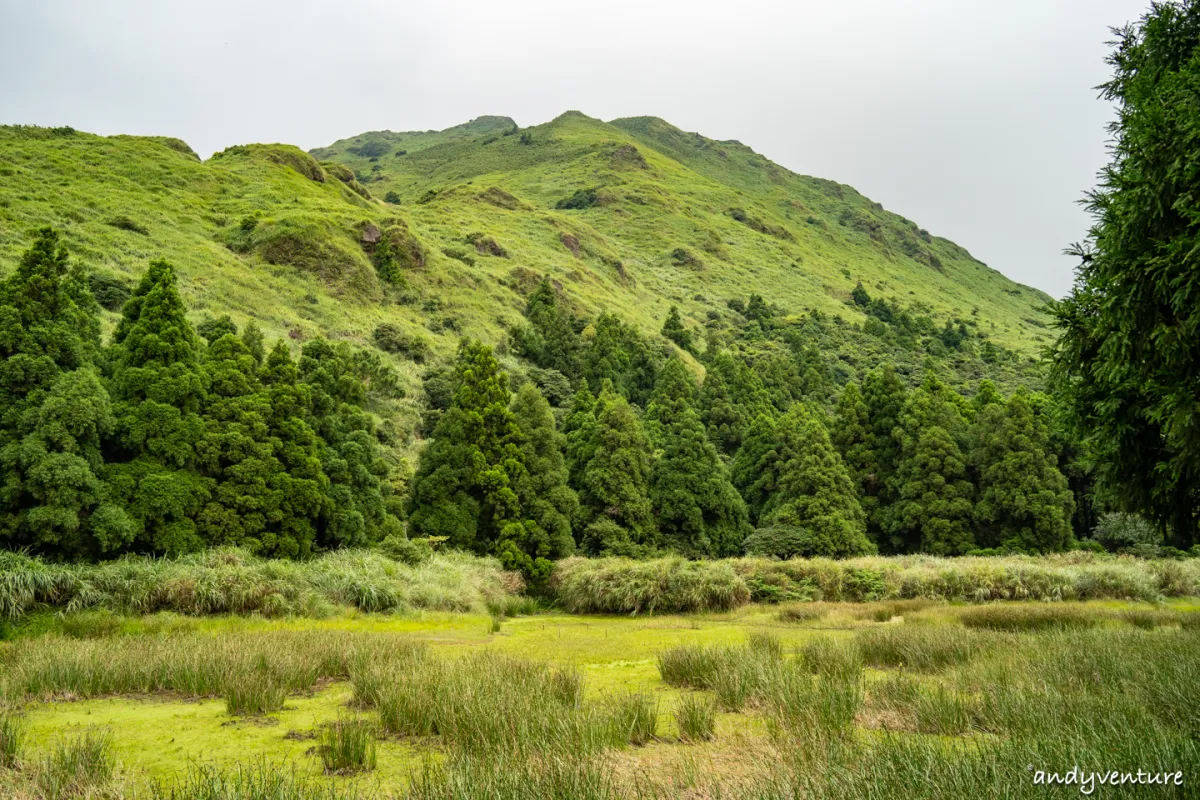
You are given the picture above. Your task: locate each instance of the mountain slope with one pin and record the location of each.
(678, 218)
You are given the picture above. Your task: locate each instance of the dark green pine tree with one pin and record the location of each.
(547, 499)
(753, 472)
(578, 429)
(1126, 361)
(851, 435)
(885, 397)
(306, 501)
(731, 397)
(986, 395)
(699, 512)
(932, 497)
(813, 510)
(618, 353)
(548, 339)
(674, 392)
(674, 330)
(614, 486)
(350, 456)
(861, 297)
(1024, 501)
(465, 484)
(53, 411)
(159, 389)
(252, 337)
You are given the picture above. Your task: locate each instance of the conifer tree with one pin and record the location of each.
(158, 391)
(618, 353)
(674, 392)
(885, 396)
(548, 339)
(813, 506)
(753, 472)
(53, 410)
(699, 512)
(932, 497)
(674, 330)
(465, 487)
(1024, 502)
(731, 397)
(578, 428)
(614, 486)
(547, 499)
(851, 435)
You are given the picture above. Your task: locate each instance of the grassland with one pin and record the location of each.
(878, 699)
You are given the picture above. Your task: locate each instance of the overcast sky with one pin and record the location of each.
(976, 119)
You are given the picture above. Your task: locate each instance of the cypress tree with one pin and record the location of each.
(699, 512)
(547, 499)
(614, 485)
(53, 410)
(1024, 501)
(753, 472)
(674, 392)
(731, 397)
(932, 505)
(674, 330)
(158, 390)
(813, 506)
(851, 436)
(548, 339)
(885, 396)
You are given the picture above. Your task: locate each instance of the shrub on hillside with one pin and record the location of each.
(391, 339)
(125, 223)
(110, 291)
(581, 198)
(1119, 531)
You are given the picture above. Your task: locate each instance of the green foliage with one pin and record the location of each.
(546, 498)
(674, 330)
(805, 487)
(548, 339)
(615, 464)
(579, 199)
(1125, 360)
(392, 339)
(1024, 503)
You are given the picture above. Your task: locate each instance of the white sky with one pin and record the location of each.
(978, 120)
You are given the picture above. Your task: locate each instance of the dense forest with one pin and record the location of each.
(799, 441)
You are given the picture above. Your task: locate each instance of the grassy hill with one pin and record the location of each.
(670, 216)
(630, 216)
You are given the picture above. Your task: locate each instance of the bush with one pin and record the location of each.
(392, 198)
(110, 291)
(486, 245)
(391, 339)
(665, 585)
(407, 551)
(124, 223)
(1119, 531)
(581, 198)
(779, 541)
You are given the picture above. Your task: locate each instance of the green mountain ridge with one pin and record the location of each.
(631, 216)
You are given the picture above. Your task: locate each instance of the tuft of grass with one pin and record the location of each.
(803, 612)
(1148, 619)
(924, 649)
(666, 585)
(696, 716)
(765, 644)
(1026, 617)
(347, 746)
(76, 767)
(262, 780)
(254, 692)
(12, 738)
(557, 777)
(636, 718)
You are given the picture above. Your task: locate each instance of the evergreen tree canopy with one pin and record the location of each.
(851, 436)
(731, 397)
(814, 495)
(614, 485)
(1024, 503)
(674, 393)
(674, 330)
(1126, 361)
(753, 472)
(548, 501)
(548, 339)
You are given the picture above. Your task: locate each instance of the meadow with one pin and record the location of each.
(847, 692)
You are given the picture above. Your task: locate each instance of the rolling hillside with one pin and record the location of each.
(630, 216)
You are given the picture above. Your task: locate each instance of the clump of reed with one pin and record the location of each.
(664, 585)
(347, 746)
(696, 716)
(1028, 617)
(922, 648)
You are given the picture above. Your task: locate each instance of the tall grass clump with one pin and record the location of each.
(254, 692)
(557, 777)
(924, 649)
(489, 702)
(76, 767)
(696, 716)
(12, 738)
(253, 781)
(232, 581)
(803, 612)
(347, 746)
(636, 717)
(665, 585)
(1030, 618)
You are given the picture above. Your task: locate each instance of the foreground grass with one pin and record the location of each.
(746, 705)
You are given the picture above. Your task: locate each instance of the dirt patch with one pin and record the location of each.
(571, 243)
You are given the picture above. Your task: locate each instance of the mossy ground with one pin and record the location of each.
(155, 738)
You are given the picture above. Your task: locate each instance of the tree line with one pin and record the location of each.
(161, 441)
(642, 458)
